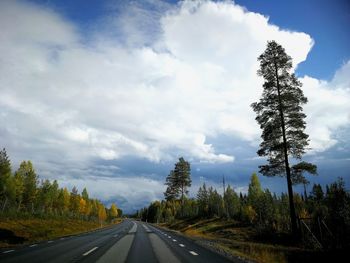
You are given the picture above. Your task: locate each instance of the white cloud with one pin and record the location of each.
(65, 99)
(227, 36)
(28, 24)
(328, 108)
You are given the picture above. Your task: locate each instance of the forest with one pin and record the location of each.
(323, 214)
(24, 195)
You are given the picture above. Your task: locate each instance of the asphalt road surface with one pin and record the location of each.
(129, 241)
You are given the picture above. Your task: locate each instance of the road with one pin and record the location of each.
(129, 241)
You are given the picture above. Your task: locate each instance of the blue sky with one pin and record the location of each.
(109, 94)
(324, 20)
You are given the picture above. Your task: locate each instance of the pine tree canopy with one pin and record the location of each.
(178, 180)
(280, 110)
(172, 192)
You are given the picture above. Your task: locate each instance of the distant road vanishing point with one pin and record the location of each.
(129, 241)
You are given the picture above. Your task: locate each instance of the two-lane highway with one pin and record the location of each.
(68, 249)
(130, 241)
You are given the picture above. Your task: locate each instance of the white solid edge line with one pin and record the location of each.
(193, 253)
(34, 245)
(91, 250)
(181, 245)
(8, 251)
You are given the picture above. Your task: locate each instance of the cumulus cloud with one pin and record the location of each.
(328, 108)
(120, 94)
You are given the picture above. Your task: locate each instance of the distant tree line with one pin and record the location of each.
(22, 194)
(325, 211)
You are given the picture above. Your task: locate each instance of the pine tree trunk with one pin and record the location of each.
(4, 205)
(293, 216)
(182, 200)
(305, 194)
(19, 206)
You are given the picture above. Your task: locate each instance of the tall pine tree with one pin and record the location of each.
(280, 116)
(172, 190)
(178, 181)
(183, 180)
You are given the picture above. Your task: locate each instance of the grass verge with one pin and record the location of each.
(24, 231)
(234, 239)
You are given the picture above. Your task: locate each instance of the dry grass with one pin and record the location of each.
(235, 239)
(34, 230)
(195, 233)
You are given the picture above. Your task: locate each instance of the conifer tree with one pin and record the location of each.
(172, 190)
(178, 181)
(280, 116)
(5, 173)
(232, 202)
(254, 190)
(183, 180)
(85, 195)
(44, 198)
(202, 200)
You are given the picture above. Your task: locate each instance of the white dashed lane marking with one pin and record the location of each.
(193, 253)
(181, 245)
(34, 245)
(133, 229)
(174, 240)
(8, 251)
(50, 241)
(91, 250)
